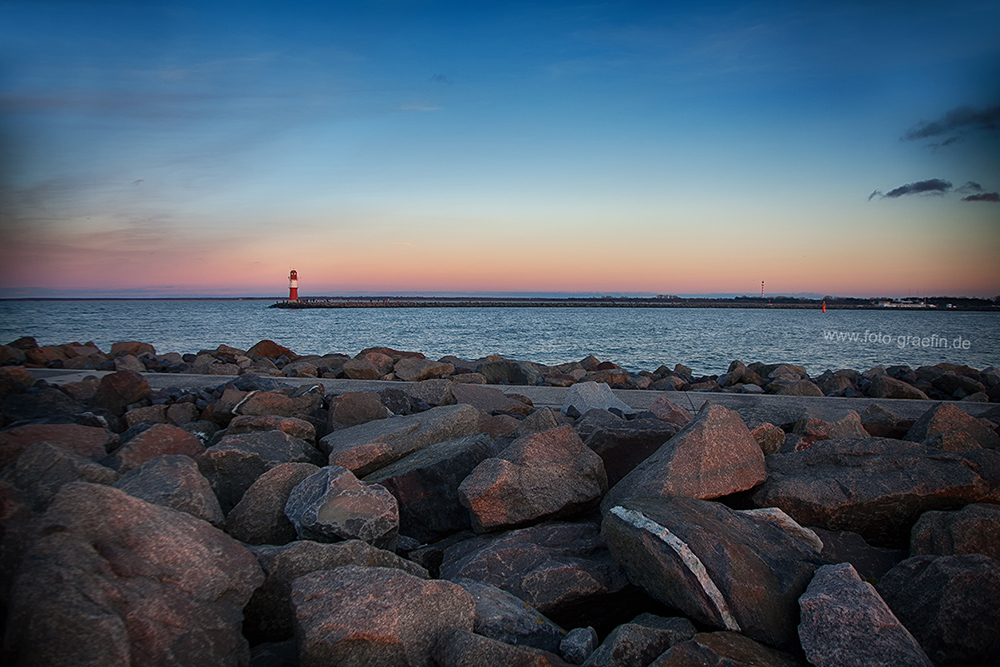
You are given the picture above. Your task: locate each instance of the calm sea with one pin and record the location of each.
(706, 340)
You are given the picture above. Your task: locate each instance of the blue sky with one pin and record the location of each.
(207, 148)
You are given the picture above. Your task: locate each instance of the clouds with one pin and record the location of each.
(960, 119)
(938, 186)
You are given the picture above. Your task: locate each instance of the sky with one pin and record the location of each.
(396, 147)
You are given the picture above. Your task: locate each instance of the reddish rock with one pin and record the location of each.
(975, 529)
(40, 356)
(9, 354)
(827, 424)
(616, 379)
(668, 411)
(43, 469)
(801, 388)
(769, 437)
(465, 649)
(152, 414)
(382, 362)
(86, 441)
(157, 440)
(361, 369)
(273, 403)
(395, 355)
(179, 414)
(884, 386)
(490, 400)
(174, 481)
(355, 408)
(948, 428)
(81, 391)
(297, 428)
(271, 350)
(436, 391)
(410, 369)
(725, 649)
(120, 389)
(881, 422)
(259, 517)
(375, 616)
(14, 379)
(131, 347)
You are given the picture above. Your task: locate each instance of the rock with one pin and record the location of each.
(639, 642)
(157, 440)
(957, 386)
(728, 569)
(975, 529)
(551, 566)
(277, 404)
(382, 362)
(507, 371)
(410, 369)
(801, 388)
(540, 420)
(395, 355)
(624, 444)
(949, 605)
(542, 475)
(375, 616)
(585, 396)
(458, 648)
(362, 369)
(127, 362)
(490, 400)
(43, 469)
(269, 612)
(118, 390)
(845, 622)
(131, 347)
(14, 379)
(426, 483)
(356, 407)
(368, 447)
(114, 580)
(506, 618)
(38, 403)
(948, 428)
(883, 386)
(881, 422)
(398, 402)
(769, 437)
(236, 461)
(614, 378)
(578, 644)
(827, 424)
(841, 546)
(87, 441)
(333, 505)
(297, 428)
(668, 411)
(432, 392)
(173, 481)
(271, 350)
(179, 414)
(874, 486)
(259, 517)
(724, 649)
(714, 455)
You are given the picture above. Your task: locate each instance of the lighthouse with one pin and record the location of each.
(293, 286)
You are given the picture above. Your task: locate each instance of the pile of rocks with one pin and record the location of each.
(939, 382)
(263, 524)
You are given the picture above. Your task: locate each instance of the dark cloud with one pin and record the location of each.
(970, 186)
(962, 118)
(993, 197)
(441, 78)
(934, 186)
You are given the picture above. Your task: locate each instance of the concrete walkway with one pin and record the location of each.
(785, 407)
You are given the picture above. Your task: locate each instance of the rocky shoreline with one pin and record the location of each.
(444, 522)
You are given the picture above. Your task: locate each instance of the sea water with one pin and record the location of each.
(704, 339)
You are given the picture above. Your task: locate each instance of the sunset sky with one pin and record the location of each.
(390, 147)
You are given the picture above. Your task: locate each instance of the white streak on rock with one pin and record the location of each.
(688, 557)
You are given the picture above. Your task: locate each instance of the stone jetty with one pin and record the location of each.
(270, 509)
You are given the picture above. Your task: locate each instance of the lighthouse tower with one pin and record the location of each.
(293, 286)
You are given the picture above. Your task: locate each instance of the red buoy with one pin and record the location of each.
(293, 286)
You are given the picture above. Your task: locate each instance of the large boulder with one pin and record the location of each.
(43, 469)
(297, 428)
(410, 369)
(505, 617)
(668, 411)
(508, 371)
(458, 648)
(333, 505)
(157, 440)
(845, 622)
(949, 605)
(873, 486)
(883, 386)
(38, 403)
(624, 444)
(355, 407)
(118, 390)
(551, 566)
(638, 642)
(827, 424)
(585, 396)
(490, 400)
(91, 442)
(540, 475)
(173, 481)
(269, 611)
(426, 484)
(275, 403)
(948, 428)
(114, 580)
(731, 570)
(975, 529)
(375, 616)
(367, 447)
(236, 461)
(259, 517)
(714, 455)
(724, 649)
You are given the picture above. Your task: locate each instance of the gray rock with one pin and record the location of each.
(157, 440)
(541, 475)
(44, 468)
(236, 462)
(114, 580)
(490, 400)
(881, 422)
(728, 569)
(845, 622)
(367, 447)
(259, 517)
(356, 407)
(458, 648)
(827, 424)
(506, 618)
(268, 614)
(801, 388)
(542, 419)
(578, 644)
(508, 371)
(627, 443)
(297, 428)
(436, 391)
(585, 396)
(375, 616)
(871, 563)
(975, 529)
(639, 642)
(949, 605)
(948, 428)
(714, 455)
(724, 649)
(883, 386)
(174, 481)
(552, 566)
(425, 484)
(876, 487)
(333, 505)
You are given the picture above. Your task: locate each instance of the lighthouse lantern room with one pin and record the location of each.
(293, 286)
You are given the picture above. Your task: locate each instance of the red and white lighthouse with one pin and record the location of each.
(293, 286)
